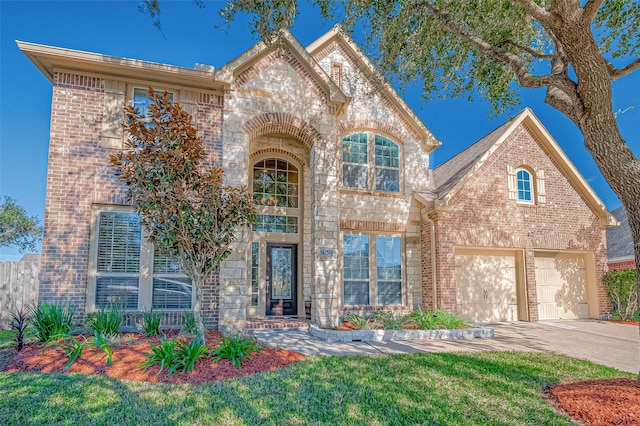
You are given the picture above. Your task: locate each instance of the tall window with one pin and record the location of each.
(523, 179)
(361, 171)
(276, 185)
(141, 99)
(364, 254)
(120, 256)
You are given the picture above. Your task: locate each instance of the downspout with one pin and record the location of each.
(434, 274)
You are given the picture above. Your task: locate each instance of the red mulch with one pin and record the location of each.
(598, 402)
(625, 322)
(131, 352)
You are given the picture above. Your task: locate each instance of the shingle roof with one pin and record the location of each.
(619, 239)
(448, 174)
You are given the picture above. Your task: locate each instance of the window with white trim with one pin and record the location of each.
(141, 101)
(276, 194)
(380, 171)
(372, 270)
(524, 184)
(128, 271)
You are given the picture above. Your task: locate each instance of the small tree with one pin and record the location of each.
(16, 228)
(188, 212)
(623, 291)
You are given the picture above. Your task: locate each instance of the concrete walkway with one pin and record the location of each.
(611, 344)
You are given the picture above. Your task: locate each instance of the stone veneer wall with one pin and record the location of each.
(79, 176)
(481, 215)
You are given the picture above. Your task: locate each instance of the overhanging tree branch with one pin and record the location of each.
(590, 10)
(541, 14)
(536, 54)
(616, 73)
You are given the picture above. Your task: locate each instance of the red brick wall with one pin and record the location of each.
(482, 215)
(622, 265)
(79, 176)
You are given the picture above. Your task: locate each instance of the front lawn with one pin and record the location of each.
(444, 388)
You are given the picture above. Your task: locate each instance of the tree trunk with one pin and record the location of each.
(602, 137)
(197, 314)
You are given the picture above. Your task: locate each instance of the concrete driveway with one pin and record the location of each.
(611, 344)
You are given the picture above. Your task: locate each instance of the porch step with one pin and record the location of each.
(279, 322)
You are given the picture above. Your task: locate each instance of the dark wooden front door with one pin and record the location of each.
(282, 277)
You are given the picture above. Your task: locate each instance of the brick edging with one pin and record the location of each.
(381, 335)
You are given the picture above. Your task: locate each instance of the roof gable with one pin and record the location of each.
(453, 174)
(337, 39)
(233, 71)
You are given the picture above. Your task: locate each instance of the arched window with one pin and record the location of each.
(524, 182)
(276, 185)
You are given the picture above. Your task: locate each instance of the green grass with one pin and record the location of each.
(6, 339)
(497, 388)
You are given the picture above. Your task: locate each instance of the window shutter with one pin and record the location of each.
(112, 114)
(512, 184)
(542, 195)
(189, 103)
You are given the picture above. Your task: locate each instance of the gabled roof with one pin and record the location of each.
(337, 34)
(453, 174)
(260, 50)
(619, 238)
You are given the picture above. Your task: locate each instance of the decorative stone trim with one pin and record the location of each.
(399, 335)
(283, 123)
(354, 125)
(363, 225)
(277, 151)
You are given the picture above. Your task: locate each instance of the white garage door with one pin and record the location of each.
(561, 286)
(486, 287)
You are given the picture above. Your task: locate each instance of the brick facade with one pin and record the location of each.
(480, 215)
(79, 178)
(622, 265)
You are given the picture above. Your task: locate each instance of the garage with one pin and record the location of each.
(486, 285)
(561, 283)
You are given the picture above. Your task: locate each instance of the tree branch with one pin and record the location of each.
(541, 14)
(616, 73)
(529, 50)
(590, 10)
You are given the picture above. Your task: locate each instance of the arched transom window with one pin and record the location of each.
(380, 171)
(276, 193)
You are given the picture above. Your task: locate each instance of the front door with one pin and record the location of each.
(281, 279)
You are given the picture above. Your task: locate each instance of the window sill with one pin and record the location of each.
(375, 308)
(371, 193)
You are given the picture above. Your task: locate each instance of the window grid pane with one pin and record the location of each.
(255, 273)
(355, 167)
(524, 185)
(172, 292)
(120, 290)
(387, 171)
(273, 223)
(389, 270)
(356, 269)
(141, 99)
(275, 183)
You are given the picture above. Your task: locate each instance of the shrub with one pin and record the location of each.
(51, 320)
(449, 320)
(186, 354)
(235, 347)
(69, 344)
(151, 323)
(19, 321)
(106, 322)
(425, 319)
(163, 355)
(189, 322)
(387, 320)
(622, 288)
(359, 322)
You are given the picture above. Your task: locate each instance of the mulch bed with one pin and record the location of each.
(625, 322)
(131, 352)
(598, 402)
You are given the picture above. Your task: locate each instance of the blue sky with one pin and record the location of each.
(117, 28)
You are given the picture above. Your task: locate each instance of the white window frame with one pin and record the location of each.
(371, 162)
(145, 275)
(531, 181)
(373, 272)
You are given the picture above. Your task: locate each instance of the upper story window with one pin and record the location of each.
(141, 100)
(524, 181)
(128, 271)
(361, 171)
(276, 186)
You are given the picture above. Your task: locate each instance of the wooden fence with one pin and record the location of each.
(18, 286)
